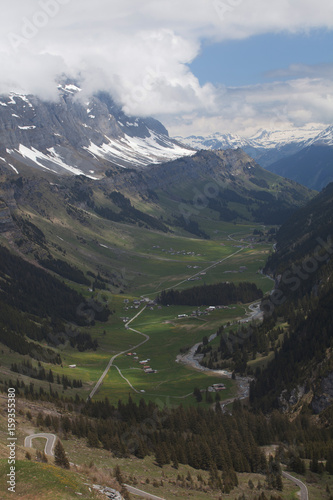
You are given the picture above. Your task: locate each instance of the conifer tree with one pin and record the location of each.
(60, 457)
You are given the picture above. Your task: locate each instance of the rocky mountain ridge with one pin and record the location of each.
(73, 136)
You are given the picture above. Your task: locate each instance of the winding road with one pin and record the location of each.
(140, 493)
(50, 442)
(110, 363)
(189, 357)
(304, 489)
(49, 450)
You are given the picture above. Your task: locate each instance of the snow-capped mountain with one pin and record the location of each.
(266, 147)
(73, 136)
(325, 138)
(215, 141)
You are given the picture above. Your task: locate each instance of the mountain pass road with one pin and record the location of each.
(50, 442)
(304, 490)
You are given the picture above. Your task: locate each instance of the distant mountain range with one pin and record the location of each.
(304, 155)
(77, 136)
(266, 147)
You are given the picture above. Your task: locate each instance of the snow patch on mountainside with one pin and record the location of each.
(142, 151)
(47, 161)
(71, 136)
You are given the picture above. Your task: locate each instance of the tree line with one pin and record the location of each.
(26, 368)
(206, 295)
(37, 306)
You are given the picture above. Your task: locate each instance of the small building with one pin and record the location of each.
(72, 366)
(219, 387)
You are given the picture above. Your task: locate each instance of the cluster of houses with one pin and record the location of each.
(171, 251)
(144, 363)
(139, 302)
(206, 311)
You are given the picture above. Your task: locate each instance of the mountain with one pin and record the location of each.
(298, 237)
(303, 155)
(73, 136)
(312, 166)
(265, 146)
(229, 183)
(301, 374)
(181, 195)
(78, 256)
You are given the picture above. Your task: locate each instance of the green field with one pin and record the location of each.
(44, 481)
(143, 263)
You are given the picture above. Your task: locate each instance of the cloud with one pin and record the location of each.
(302, 71)
(272, 106)
(140, 51)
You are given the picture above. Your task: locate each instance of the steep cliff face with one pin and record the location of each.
(75, 136)
(6, 220)
(324, 395)
(316, 394)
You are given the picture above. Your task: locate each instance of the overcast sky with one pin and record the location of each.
(201, 66)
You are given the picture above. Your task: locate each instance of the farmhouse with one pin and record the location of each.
(216, 388)
(219, 387)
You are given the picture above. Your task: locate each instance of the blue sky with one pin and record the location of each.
(251, 61)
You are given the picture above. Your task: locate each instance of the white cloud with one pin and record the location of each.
(278, 105)
(139, 51)
(302, 71)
